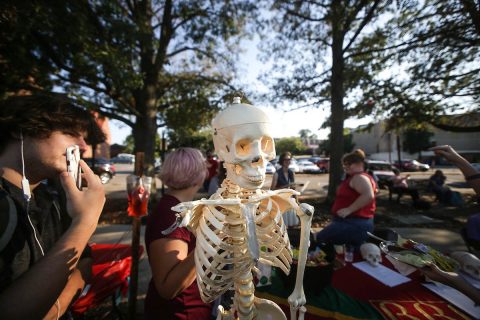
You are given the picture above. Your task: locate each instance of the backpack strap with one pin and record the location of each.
(8, 218)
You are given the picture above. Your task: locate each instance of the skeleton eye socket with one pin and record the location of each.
(267, 144)
(243, 147)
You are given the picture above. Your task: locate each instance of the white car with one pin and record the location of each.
(381, 170)
(306, 166)
(270, 168)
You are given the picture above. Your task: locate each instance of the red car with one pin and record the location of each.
(322, 163)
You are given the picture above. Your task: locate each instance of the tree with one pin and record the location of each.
(187, 138)
(346, 30)
(129, 144)
(145, 63)
(435, 45)
(305, 135)
(348, 145)
(293, 145)
(417, 140)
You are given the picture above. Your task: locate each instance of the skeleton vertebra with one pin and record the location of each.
(240, 218)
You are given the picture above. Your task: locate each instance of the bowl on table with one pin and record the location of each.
(318, 273)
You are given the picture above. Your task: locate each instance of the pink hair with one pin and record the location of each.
(183, 168)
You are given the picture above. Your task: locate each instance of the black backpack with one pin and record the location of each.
(8, 218)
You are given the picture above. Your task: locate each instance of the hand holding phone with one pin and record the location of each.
(73, 165)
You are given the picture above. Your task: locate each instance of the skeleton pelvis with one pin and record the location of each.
(267, 309)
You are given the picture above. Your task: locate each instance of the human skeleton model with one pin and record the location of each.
(240, 218)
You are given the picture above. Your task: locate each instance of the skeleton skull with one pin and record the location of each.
(468, 262)
(242, 138)
(371, 253)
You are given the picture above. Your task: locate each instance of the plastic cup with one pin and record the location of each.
(348, 252)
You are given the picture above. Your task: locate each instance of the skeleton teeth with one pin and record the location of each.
(254, 178)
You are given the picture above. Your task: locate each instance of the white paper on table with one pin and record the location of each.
(383, 274)
(455, 297)
(474, 282)
(401, 267)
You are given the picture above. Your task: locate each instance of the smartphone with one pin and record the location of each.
(73, 165)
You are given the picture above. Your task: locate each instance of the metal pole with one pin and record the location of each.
(136, 224)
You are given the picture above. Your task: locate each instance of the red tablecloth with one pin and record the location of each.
(410, 300)
(110, 272)
(354, 294)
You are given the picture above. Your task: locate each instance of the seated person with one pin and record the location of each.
(400, 185)
(436, 184)
(354, 206)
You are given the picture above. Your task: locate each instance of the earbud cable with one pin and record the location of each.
(57, 303)
(21, 151)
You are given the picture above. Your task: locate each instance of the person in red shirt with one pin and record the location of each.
(173, 291)
(212, 168)
(354, 206)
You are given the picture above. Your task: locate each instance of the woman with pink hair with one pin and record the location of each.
(173, 292)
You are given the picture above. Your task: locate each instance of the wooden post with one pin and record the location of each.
(162, 156)
(136, 224)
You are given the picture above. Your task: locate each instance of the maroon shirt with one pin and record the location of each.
(188, 304)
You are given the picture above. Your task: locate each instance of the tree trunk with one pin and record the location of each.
(337, 108)
(145, 129)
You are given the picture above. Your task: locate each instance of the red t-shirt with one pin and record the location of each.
(346, 195)
(188, 304)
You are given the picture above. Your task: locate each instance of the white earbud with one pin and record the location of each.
(27, 194)
(25, 184)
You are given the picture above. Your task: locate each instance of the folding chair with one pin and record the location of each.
(110, 277)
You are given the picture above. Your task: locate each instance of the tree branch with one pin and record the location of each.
(165, 36)
(366, 19)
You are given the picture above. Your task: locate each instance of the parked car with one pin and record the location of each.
(306, 166)
(322, 163)
(123, 158)
(103, 168)
(381, 170)
(270, 168)
(411, 165)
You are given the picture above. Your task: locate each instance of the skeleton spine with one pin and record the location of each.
(244, 295)
(243, 283)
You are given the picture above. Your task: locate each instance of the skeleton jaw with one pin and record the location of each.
(247, 177)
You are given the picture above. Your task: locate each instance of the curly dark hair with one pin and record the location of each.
(40, 115)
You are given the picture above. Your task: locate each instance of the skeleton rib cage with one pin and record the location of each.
(222, 256)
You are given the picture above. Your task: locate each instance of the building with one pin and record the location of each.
(381, 145)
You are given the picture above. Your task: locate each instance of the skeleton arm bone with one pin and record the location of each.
(297, 299)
